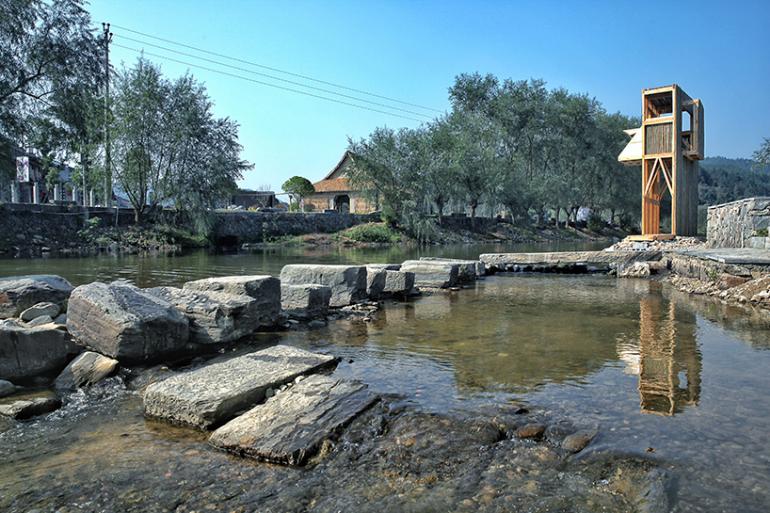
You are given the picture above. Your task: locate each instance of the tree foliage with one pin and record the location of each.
(512, 146)
(168, 147)
(48, 52)
(298, 188)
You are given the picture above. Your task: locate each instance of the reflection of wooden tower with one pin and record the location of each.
(668, 146)
(669, 360)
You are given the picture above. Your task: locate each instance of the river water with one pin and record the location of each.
(683, 381)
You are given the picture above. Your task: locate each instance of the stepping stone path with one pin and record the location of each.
(291, 426)
(211, 395)
(433, 274)
(347, 282)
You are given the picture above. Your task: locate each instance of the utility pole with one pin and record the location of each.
(107, 162)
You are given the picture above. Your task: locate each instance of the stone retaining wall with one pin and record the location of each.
(34, 230)
(234, 228)
(734, 224)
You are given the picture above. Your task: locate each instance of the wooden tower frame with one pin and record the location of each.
(668, 152)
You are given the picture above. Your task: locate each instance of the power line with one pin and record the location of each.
(328, 91)
(267, 83)
(278, 70)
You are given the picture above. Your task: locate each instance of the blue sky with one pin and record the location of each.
(412, 50)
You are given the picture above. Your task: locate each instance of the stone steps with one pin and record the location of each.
(207, 397)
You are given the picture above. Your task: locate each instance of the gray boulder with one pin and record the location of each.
(433, 274)
(6, 388)
(40, 321)
(307, 301)
(18, 293)
(398, 283)
(375, 281)
(85, 370)
(124, 322)
(347, 282)
(215, 393)
(215, 317)
(266, 290)
(469, 271)
(21, 408)
(39, 310)
(27, 352)
(290, 427)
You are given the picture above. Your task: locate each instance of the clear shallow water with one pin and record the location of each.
(177, 269)
(679, 379)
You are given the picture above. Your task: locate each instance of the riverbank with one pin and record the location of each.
(32, 231)
(374, 235)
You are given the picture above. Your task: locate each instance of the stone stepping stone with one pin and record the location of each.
(291, 426)
(211, 395)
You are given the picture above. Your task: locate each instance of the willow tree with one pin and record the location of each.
(169, 149)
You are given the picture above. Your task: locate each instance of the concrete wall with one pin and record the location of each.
(734, 224)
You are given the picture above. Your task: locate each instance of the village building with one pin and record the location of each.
(335, 192)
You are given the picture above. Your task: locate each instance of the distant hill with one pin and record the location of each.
(723, 179)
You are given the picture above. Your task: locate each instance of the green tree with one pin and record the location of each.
(47, 50)
(762, 155)
(298, 188)
(168, 147)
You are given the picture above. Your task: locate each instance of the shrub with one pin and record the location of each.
(762, 232)
(373, 232)
(595, 222)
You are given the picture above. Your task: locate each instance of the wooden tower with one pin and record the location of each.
(668, 146)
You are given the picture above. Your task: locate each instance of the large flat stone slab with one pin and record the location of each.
(470, 270)
(214, 394)
(565, 261)
(18, 293)
(433, 274)
(306, 301)
(28, 352)
(215, 317)
(291, 426)
(126, 323)
(265, 290)
(347, 282)
(735, 256)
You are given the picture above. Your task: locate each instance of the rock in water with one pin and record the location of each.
(347, 282)
(39, 310)
(469, 270)
(85, 370)
(266, 290)
(26, 352)
(398, 283)
(290, 427)
(215, 317)
(433, 274)
(305, 301)
(6, 388)
(375, 281)
(124, 322)
(532, 430)
(576, 442)
(25, 408)
(215, 393)
(19, 293)
(40, 321)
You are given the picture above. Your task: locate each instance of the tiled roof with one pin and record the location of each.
(333, 185)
